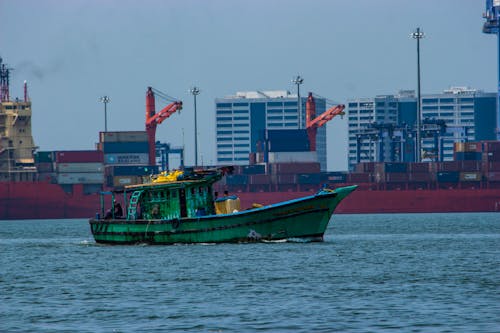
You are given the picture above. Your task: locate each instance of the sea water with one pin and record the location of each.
(373, 273)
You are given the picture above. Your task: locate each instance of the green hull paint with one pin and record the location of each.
(302, 218)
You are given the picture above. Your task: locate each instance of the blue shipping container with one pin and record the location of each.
(468, 156)
(132, 170)
(309, 178)
(448, 177)
(125, 147)
(287, 140)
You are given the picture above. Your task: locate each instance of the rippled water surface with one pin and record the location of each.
(411, 273)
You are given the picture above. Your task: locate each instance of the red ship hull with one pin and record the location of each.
(396, 201)
(25, 200)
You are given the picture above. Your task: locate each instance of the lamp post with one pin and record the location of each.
(298, 80)
(105, 100)
(418, 35)
(195, 91)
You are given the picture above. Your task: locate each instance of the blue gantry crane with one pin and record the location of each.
(491, 26)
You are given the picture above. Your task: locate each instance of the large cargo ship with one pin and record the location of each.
(67, 184)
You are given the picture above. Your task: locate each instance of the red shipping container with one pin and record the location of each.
(493, 176)
(450, 166)
(491, 146)
(419, 167)
(79, 156)
(365, 167)
(491, 166)
(359, 177)
(471, 166)
(492, 156)
(391, 177)
(286, 179)
(293, 168)
(420, 177)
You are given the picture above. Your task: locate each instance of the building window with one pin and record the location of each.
(240, 104)
(274, 103)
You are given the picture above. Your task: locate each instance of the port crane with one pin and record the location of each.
(313, 122)
(153, 119)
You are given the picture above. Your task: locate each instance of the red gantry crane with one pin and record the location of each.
(313, 122)
(153, 119)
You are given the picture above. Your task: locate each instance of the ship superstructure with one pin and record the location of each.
(16, 141)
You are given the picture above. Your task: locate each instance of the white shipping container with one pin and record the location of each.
(79, 167)
(123, 136)
(296, 156)
(80, 178)
(126, 159)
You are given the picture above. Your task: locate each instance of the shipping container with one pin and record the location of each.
(79, 156)
(390, 167)
(491, 166)
(491, 146)
(418, 167)
(467, 147)
(309, 178)
(467, 156)
(44, 156)
(120, 181)
(293, 157)
(447, 176)
(254, 169)
(48, 177)
(420, 177)
(471, 166)
(294, 168)
(493, 176)
(391, 177)
(123, 136)
(287, 140)
(125, 147)
(470, 176)
(131, 170)
(44, 167)
(333, 177)
(450, 166)
(285, 179)
(365, 167)
(125, 159)
(259, 179)
(492, 156)
(237, 179)
(356, 177)
(92, 188)
(80, 178)
(79, 167)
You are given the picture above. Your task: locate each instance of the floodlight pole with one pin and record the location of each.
(418, 35)
(195, 92)
(298, 80)
(105, 100)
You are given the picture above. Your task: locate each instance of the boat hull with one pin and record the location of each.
(301, 218)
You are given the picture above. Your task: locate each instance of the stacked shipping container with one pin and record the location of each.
(126, 157)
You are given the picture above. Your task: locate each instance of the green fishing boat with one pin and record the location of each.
(181, 207)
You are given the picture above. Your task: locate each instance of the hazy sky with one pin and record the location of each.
(73, 52)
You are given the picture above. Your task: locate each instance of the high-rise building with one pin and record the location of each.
(241, 120)
(383, 128)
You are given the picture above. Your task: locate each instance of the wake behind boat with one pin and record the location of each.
(181, 207)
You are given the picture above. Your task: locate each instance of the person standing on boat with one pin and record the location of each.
(118, 211)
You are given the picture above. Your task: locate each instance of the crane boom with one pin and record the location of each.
(313, 122)
(153, 119)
